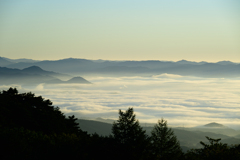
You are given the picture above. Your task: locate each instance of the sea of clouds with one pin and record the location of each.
(181, 100)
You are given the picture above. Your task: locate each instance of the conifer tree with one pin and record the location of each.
(129, 136)
(164, 143)
(214, 150)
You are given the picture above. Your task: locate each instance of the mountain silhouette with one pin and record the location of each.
(33, 75)
(33, 69)
(222, 69)
(4, 62)
(225, 63)
(20, 60)
(213, 124)
(78, 80)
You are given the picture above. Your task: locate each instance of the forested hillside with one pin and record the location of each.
(31, 128)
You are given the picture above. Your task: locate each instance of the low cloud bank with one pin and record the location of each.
(183, 101)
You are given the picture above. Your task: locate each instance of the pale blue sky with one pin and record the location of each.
(197, 30)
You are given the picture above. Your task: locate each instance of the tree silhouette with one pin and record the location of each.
(214, 150)
(130, 137)
(164, 143)
(33, 113)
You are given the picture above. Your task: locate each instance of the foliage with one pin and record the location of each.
(31, 128)
(214, 150)
(20, 143)
(164, 143)
(33, 113)
(131, 140)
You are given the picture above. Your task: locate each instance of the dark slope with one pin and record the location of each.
(34, 69)
(192, 138)
(31, 75)
(215, 128)
(16, 76)
(22, 78)
(187, 138)
(215, 125)
(92, 127)
(40, 71)
(4, 62)
(78, 80)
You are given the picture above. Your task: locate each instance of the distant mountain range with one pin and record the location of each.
(35, 75)
(222, 69)
(19, 60)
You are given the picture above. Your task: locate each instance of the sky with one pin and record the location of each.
(195, 30)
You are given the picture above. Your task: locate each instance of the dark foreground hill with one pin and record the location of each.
(31, 128)
(188, 138)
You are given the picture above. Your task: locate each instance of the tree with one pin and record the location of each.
(214, 150)
(130, 138)
(164, 143)
(33, 113)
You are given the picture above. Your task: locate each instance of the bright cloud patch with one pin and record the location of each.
(187, 101)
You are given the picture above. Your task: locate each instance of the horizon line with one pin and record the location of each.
(122, 60)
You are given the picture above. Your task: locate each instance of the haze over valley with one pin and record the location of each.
(176, 60)
(184, 100)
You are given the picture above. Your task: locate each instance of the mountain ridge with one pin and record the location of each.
(33, 75)
(221, 69)
(214, 124)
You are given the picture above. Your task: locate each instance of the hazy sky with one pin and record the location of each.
(195, 30)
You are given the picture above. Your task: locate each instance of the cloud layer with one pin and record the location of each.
(183, 101)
